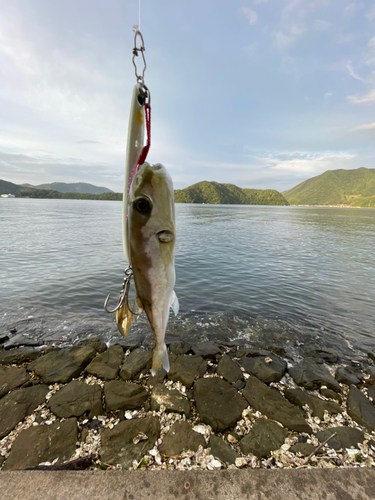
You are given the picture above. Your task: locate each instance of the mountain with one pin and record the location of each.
(73, 187)
(336, 187)
(227, 194)
(8, 187)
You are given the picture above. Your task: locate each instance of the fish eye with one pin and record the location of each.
(165, 236)
(143, 206)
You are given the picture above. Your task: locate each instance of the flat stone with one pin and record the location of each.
(346, 375)
(312, 376)
(229, 369)
(317, 405)
(328, 393)
(123, 395)
(187, 368)
(179, 438)
(221, 450)
(172, 399)
(11, 377)
(43, 443)
(329, 355)
(360, 408)
(304, 448)
(266, 372)
(19, 355)
(62, 365)
(75, 399)
(117, 443)
(205, 349)
(107, 364)
(179, 347)
(346, 437)
(19, 403)
(264, 437)
(21, 340)
(218, 403)
(272, 404)
(250, 352)
(158, 378)
(134, 363)
(95, 343)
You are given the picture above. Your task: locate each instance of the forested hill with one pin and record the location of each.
(72, 187)
(228, 194)
(336, 187)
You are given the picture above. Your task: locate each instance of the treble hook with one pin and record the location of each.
(124, 292)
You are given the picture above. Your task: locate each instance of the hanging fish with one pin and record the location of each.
(152, 236)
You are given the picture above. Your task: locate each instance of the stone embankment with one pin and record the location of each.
(220, 406)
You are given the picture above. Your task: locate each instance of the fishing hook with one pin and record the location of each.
(124, 293)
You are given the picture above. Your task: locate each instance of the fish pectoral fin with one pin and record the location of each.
(137, 308)
(175, 305)
(123, 319)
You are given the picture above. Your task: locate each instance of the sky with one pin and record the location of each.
(257, 93)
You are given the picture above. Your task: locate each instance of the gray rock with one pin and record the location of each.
(328, 393)
(180, 437)
(218, 403)
(371, 371)
(18, 356)
(311, 376)
(107, 364)
(179, 347)
(360, 408)
(187, 368)
(62, 365)
(317, 405)
(272, 404)
(304, 448)
(239, 385)
(134, 363)
(221, 450)
(173, 400)
(346, 437)
(158, 378)
(264, 437)
(75, 399)
(117, 443)
(329, 355)
(346, 375)
(229, 369)
(11, 377)
(97, 344)
(124, 395)
(250, 352)
(371, 355)
(43, 443)
(205, 349)
(371, 391)
(266, 372)
(21, 340)
(17, 404)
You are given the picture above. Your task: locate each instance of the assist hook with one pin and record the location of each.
(124, 292)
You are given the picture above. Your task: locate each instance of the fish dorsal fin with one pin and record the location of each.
(174, 303)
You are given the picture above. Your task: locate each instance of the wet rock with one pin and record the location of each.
(173, 400)
(134, 363)
(346, 437)
(187, 368)
(371, 355)
(265, 371)
(360, 408)
(304, 448)
(328, 393)
(250, 352)
(11, 377)
(117, 443)
(62, 365)
(311, 376)
(19, 356)
(371, 391)
(17, 404)
(221, 450)
(43, 443)
(129, 343)
(346, 375)
(264, 437)
(328, 355)
(97, 344)
(179, 438)
(21, 340)
(272, 404)
(218, 403)
(371, 371)
(206, 349)
(75, 399)
(107, 364)
(124, 395)
(158, 378)
(317, 405)
(3, 338)
(179, 347)
(239, 385)
(229, 369)
(2, 460)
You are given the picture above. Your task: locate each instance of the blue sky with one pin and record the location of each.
(258, 93)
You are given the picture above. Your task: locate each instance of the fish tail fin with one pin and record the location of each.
(174, 303)
(160, 359)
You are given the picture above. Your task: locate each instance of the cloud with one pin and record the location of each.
(283, 40)
(257, 2)
(364, 127)
(371, 42)
(352, 72)
(362, 99)
(321, 25)
(88, 142)
(309, 163)
(371, 14)
(250, 14)
(352, 7)
(344, 38)
(327, 95)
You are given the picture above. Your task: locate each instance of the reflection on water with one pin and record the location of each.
(310, 267)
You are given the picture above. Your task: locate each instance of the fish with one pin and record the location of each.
(152, 236)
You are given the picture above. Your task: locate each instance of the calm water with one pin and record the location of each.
(307, 269)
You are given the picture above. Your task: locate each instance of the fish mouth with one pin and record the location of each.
(143, 205)
(165, 236)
